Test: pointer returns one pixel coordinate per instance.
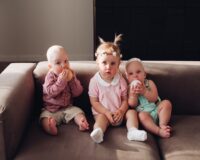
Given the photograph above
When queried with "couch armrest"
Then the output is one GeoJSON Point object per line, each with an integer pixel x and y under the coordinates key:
{"type": "Point", "coordinates": [16, 103]}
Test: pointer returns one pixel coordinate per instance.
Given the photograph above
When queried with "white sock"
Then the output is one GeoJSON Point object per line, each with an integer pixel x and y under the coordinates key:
{"type": "Point", "coordinates": [136, 134]}
{"type": "Point", "coordinates": [97, 135]}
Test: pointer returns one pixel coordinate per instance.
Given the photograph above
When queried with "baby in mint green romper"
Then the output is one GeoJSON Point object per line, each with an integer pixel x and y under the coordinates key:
{"type": "Point", "coordinates": [153, 114]}
{"type": "Point", "coordinates": [146, 106]}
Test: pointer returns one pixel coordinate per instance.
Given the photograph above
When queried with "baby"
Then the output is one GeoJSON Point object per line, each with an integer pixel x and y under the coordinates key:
{"type": "Point", "coordinates": [143, 96]}
{"type": "Point", "coordinates": [108, 95]}
{"type": "Point", "coordinates": [59, 88]}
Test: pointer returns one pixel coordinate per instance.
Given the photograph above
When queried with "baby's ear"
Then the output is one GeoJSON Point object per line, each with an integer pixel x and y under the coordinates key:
{"type": "Point", "coordinates": [126, 74]}
{"type": "Point", "coordinates": [49, 66]}
{"type": "Point", "coordinates": [145, 75]}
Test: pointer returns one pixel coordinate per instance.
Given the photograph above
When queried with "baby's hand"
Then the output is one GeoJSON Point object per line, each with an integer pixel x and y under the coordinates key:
{"type": "Point", "coordinates": [117, 117]}
{"type": "Point", "coordinates": [67, 74]}
{"type": "Point", "coordinates": [109, 115]}
{"type": "Point", "coordinates": [63, 75]}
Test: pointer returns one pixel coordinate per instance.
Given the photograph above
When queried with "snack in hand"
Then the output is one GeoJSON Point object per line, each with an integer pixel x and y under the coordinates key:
{"type": "Point", "coordinates": [69, 74]}
{"type": "Point", "coordinates": [134, 83]}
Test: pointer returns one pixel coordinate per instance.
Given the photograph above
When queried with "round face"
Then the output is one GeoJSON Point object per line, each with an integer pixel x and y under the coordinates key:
{"type": "Point", "coordinates": [58, 61]}
{"type": "Point", "coordinates": [135, 71]}
{"type": "Point", "coordinates": [108, 66]}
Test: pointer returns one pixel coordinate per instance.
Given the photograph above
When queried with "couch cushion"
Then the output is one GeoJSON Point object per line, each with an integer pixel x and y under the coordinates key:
{"type": "Point", "coordinates": [177, 81]}
{"type": "Point", "coordinates": [184, 144]}
{"type": "Point", "coordinates": [75, 145]}
{"type": "Point", "coordinates": [173, 78]}
{"type": "Point", "coordinates": [16, 103]}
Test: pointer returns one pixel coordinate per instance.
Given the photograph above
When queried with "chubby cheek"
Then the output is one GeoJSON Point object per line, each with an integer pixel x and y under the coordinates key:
{"type": "Point", "coordinates": [66, 66]}
{"type": "Point", "coordinates": [113, 71]}
{"type": "Point", "coordinates": [58, 70]}
{"type": "Point", "coordinates": [102, 68]}
{"type": "Point", "coordinates": [142, 78]}
{"type": "Point", "coordinates": [130, 79]}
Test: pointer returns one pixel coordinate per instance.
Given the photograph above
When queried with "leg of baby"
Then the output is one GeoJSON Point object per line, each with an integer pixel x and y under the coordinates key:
{"type": "Point", "coordinates": [132, 125]}
{"type": "Point", "coordinates": [100, 126]}
{"type": "Point", "coordinates": [149, 124]}
{"type": "Point", "coordinates": [164, 114]}
{"type": "Point", "coordinates": [81, 121]}
{"type": "Point", "coordinates": [49, 125]}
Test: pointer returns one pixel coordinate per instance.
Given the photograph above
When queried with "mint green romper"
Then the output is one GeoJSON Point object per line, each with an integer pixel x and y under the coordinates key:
{"type": "Point", "coordinates": [146, 106]}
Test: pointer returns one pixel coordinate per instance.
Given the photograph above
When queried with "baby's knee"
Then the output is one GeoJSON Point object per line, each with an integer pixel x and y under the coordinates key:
{"type": "Point", "coordinates": [143, 116]}
{"type": "Point", "coordinates": [167, 104]}
{"type": "Point", "coordinates": [131, 112]}
{"type": "Point", "coordinates": [101, 120]}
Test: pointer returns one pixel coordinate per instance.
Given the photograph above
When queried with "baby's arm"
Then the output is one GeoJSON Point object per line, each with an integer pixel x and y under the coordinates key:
{"type": "Point", "coordinates": [75, 86]}
{"type": "Point", "coordinates": [124, 107]}
{"type": "Point", "coordinates": [100, 108]}
{"type": "Point", "coordinates": [132, 98]}
{"type": "Point", "coordinates": [52, 87]}
{"type": "Point", "coordinates": [119, 114]}
{"type": "Point", "coordinates": [152, 93]}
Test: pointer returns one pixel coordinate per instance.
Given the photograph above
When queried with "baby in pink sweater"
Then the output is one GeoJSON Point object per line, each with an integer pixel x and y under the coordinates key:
{"type": "Point", "coordinates": [59, 88]}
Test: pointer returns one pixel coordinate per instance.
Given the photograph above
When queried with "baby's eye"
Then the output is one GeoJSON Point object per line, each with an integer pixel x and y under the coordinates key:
{"type": "Point", "coordinates": [66, 61]}
{"type": "Point", "coordinates": [131, 73]}
{"type": "Point", "coordinates": [113, 63]}
{"type": "Point", "coordinates": [138, 71]}
{"type": "Point", "coordinates": [58, 63]}
{"type": "Point", "coordinates": [104, 62]}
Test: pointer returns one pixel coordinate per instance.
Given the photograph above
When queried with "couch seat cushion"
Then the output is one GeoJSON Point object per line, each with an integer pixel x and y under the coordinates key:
{"type": "Point", "coordinates": [75, 145]}
{"type": "Point", "coordinates": [185, 142]}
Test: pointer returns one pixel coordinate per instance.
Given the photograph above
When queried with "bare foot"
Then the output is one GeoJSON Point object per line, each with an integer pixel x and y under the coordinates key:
{"type": "Point", "coordinates": [49, 125]}
{"type": "Point", "coordinates": [83, 124]}
{"type": "Point", "coordinates": [166, 127]}
{"type": "Point", "coordinates": [164, 131]}
{"type": "Point", "coordinates": [52, 126]}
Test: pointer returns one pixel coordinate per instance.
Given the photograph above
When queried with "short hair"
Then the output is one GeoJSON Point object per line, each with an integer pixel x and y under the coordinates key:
{"type": "Point", "coordinates": [132, 60]}
{"type": "Point", "coordinates": [52, 50]}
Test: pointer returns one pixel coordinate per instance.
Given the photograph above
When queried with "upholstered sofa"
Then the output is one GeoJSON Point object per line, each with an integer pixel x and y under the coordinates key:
{"type": "Point", "coordinates": [21, 137]}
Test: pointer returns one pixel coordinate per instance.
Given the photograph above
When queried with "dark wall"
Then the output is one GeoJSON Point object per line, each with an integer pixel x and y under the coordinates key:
{"type": "Point", "coordinates": [152, 29]}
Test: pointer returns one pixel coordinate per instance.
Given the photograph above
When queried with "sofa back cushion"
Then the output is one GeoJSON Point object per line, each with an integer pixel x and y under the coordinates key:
{"type": "Point", "coordinates": [177, 81]}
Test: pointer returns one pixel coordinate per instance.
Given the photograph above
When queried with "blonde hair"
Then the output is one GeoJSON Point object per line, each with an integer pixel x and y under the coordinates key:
{"type": "Point", "coordinates": [132, 60]}
{"type": "Point", "coordinates": [109, 48]}
{"type": "Point", "coordinates": [53, 50]}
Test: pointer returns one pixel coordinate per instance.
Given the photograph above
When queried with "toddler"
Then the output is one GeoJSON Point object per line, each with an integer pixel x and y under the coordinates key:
{"type": "Point", "coordinates": [108, 94]}
{"type": "Point", "coordinates": [59, 88]}
{"type": "Point", "coordinates": [143, 96]}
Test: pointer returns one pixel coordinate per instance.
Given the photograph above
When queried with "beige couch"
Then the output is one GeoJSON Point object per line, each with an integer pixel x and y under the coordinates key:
{"type": "Point", "coordinates": [21, 137]}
